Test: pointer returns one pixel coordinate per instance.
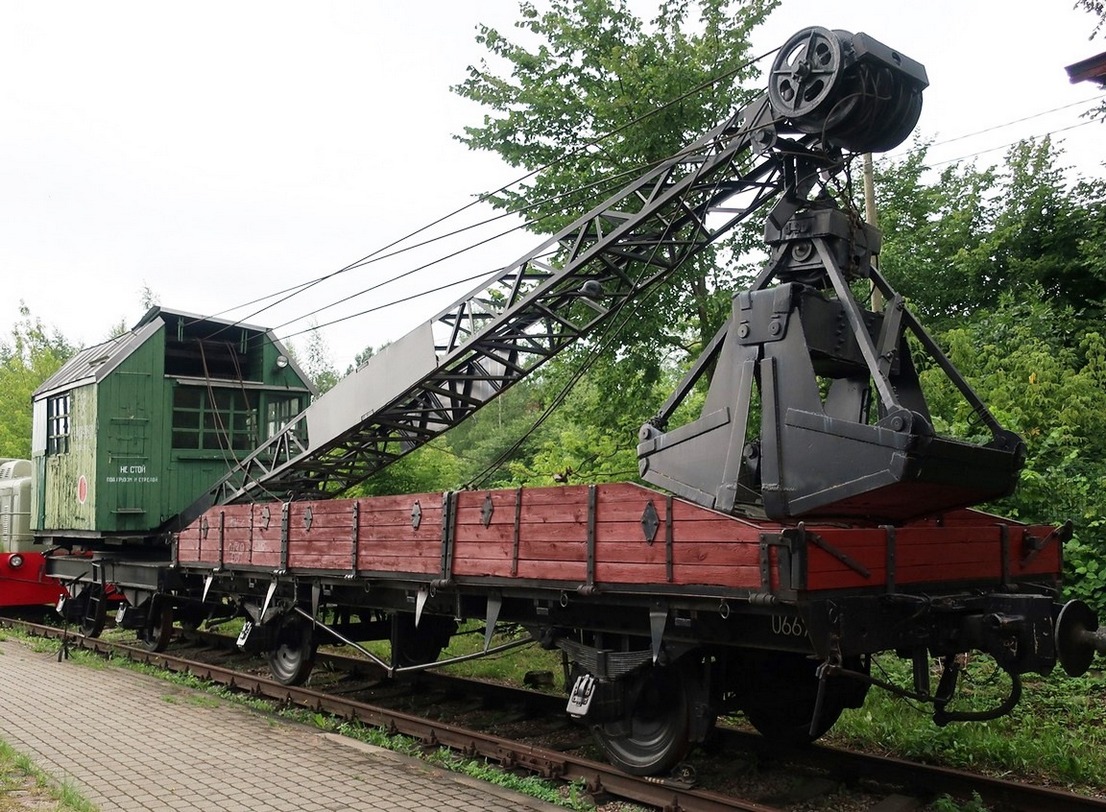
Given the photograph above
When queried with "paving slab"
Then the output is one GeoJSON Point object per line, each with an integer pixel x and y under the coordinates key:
{"type": "Point", "coordinates": [132, 743]}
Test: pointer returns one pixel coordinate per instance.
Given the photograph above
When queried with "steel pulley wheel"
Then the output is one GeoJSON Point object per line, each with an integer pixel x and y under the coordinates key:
{"type": "Point", "coordinates": [655, 734]}
{"type": "Point", "coordinates": [806, 73]}
{"type": "Point", "coordinates": [293, 654]}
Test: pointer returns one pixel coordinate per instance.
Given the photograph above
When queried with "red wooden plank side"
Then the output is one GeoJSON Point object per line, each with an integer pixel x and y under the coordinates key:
{"type": "Point", "coordinates": [1047, 560]}
{"type": "Point", "coordinates": [188, 544]}
{"type": "Point", "coordinates": [388, 541]}
{"type": "Point", "coordinates": [237, 535]}
{"type": "Point", "coordinates": [553, 534]}
{"type": "Point", "coordinates": [968, 547]}
{"type": "Point", "coordinates": [265, 544]}
{"type": "Point", "coordinates": [320, 535]}
{"type": "Point", "coordinates": [708, 548]}
{"type": "Point", "coordinates": [480, 550]}
{"type": "Point", "coordinates": [865, 548]}
{"type": "Point", "coordinates": [209, 538]}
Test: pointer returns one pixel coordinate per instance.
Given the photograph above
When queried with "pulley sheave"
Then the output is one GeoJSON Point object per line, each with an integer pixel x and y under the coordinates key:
{"type": "Point", "coordinates": [851, 90]}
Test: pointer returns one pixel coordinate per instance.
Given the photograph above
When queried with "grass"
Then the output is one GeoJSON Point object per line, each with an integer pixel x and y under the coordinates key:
{"type": "Point", "coordinates": [510, 667]}
{"type": "Point", "coordinates": [25, 787]}
{"type": "Point", "coordinates": [1056, 735]}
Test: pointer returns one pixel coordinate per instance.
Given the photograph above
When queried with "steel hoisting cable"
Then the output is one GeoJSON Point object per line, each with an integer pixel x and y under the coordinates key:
{"type": "Point", "coordinates": [381, 254]}
{"type": "Point", "coordinates": [610, 331]}
{"type": "Point", "coordinates": [220, 431]}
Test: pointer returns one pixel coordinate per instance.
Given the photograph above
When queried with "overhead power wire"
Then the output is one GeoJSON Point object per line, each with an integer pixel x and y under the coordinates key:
{"type": "Point", "coordinates": [597, 193]}
{"type": "Point", "coordinates": [609, 180]}
{"type": "Point", "coordinates": [994, 127]}
{"type": "Point", "coordinates": [925, 147]}
{"type": "Point", "coordinates": [1010, 144]}
{"type": "Point", "coordinates": [612, 328]}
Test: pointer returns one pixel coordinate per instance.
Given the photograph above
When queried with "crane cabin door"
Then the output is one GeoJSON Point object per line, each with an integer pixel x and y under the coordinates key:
{"type": "Point", "coordinates": [131, 479]}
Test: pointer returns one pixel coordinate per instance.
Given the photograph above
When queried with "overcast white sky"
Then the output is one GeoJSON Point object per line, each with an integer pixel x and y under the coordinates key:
{"type": "Point", "coordinates": [219, 151]}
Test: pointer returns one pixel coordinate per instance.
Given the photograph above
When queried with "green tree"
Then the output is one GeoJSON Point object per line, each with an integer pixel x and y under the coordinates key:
{"type": "Point", "coordinates": [1006, 267]}
{"type": "Point", "coordinates": [1097, 8]}
{"type": "Point", "coordinates": [31, 355]}
{"type": "Point", "coordinates": [1045, 379]}
{"type": "Point", "coordinates": [934, 233]}
{"type": "Point", "coordinates": [315, 360]}
{"type": "Point", "coordinates": [592, 95]}
{"type": "Point", "coordinates": [958, 241]}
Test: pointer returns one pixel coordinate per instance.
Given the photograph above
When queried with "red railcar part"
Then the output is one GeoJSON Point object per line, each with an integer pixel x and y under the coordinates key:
{"type": "Point", "coordinates": [24, 582]}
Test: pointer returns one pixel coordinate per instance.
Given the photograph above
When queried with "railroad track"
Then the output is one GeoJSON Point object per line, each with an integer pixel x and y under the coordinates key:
{"type": "Point", "coordinates": [670, 794]}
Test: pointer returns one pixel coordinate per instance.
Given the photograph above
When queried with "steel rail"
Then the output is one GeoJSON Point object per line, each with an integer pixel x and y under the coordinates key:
{"type": "Point", "coordinates": [596, 776]}
{"type": "Point", "coordinates": [927, 778]}
{"type": "Point", "coordinates": [599, 777]}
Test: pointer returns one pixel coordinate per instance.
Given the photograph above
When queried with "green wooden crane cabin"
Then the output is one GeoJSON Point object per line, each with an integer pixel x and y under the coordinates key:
{"type": "Point", "coordinates": [131, 431]}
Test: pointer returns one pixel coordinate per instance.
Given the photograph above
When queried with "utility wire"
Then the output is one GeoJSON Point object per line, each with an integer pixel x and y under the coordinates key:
{"type": "Point", "coordinates": [386, 254]}
{"type": "Point", "coordinates": [994, 127]}
{"type": "Point", "coordinates": [376, 255]}
{"type": "Point", "coordinates": [1009, 144]}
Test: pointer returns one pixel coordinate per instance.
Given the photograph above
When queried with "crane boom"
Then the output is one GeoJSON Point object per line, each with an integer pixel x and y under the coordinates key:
{"type": "Point", "coordinates": [577, 280]}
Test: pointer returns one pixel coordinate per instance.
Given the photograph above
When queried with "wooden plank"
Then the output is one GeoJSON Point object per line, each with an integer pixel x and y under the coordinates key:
{"type": "Point", "coordinates": [538, 549]}
{"type": "Point", "coordinates": [311, 560]}
{"type": "Point", "coordinates": [472, 565]}
{"type": "Point", "coordinates": [265, 548]}
{"type": "Point", "coordinates": [575, 571]}
{"type": "Point", "coordinates": [419, 565]}
{"type": "Point", "coordinates": [736, 577]}
{"type": "Point", "coordinates": [188, 545]}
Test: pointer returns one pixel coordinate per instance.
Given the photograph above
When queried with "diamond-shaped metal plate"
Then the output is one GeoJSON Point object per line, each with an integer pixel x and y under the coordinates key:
{"type": "Point", "coordinates": [650, 522]}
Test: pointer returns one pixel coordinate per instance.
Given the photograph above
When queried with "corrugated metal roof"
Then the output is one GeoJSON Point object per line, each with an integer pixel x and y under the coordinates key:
{"type": "Point", "coordinates": [93, 364]}
{"type": "Point", "coordinates": [1089, 70]}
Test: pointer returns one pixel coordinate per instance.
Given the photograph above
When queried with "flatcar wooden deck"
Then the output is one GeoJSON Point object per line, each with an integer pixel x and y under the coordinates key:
{"type": "Point", "coordinates": [587, 537]}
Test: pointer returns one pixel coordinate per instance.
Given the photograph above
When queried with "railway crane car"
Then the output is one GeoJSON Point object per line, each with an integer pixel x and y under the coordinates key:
{"type": "Point", "coordinates": [129, 432]}
{"type": "Point", "coordinates": [810, 517]}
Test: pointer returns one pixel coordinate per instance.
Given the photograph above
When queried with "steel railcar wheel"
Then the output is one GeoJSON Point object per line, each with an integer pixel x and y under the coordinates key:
{"type": "Point", "coordinates": [293, 654]}
{"type": "Point", "coordinates": [781, 706]}
{"type": "Point", "coordinates": [654, 736]}
{"type": "Point", "coordinates": [156, 633]}
{"type": "Point", "coordinates": [93, 609]}
{"type": "Point", "coordinates": [418, 645]}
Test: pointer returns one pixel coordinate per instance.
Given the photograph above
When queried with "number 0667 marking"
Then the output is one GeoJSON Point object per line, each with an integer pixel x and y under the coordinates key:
{"type": "Point", "coordinates": [788, 626]}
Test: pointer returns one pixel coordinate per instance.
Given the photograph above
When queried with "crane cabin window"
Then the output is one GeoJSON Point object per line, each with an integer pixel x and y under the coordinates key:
{"type": "Point", "coordinates": [214, 419]}
{"type": "Point", "coordinates": [280, 412]}
{"type": "Point", "coordinates": [57, 424]}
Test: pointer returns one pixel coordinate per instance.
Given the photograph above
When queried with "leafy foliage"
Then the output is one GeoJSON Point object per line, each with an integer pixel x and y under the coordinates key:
{"type": "Point", "coordinates": [1096, 7]}
{"type": "Point", "coordinates": [314, 358]}
{"type": "Point", "coordinates": [1007, 267]}
{"type": "Point", "coordinates": [31, 355]}
{"type": "Point", "coordinates": [590, 96]}
{"type": "Point", "coordinates": [959, 244]}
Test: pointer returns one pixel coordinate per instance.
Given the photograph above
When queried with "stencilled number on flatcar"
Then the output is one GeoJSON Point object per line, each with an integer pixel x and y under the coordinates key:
{"type": "Point", "coordinates": [788, 626]}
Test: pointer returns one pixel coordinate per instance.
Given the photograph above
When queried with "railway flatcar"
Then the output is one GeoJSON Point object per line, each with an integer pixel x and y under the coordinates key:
{"type": "Point", "coordinates": [810, 517]}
